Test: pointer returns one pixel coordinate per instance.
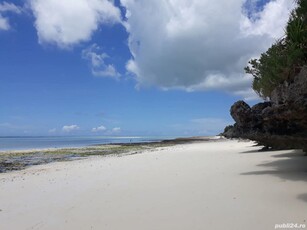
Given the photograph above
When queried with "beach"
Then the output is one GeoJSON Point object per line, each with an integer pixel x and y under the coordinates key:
{"type": "Point", "coordinates": [225, 184]}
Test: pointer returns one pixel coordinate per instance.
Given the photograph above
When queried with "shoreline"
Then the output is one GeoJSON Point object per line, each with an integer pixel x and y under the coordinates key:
{"type": "Point", "coordinates": [212, 185]}
{"type": "Point", "coordinates": [21, 143]}
{"type": "Point", "coordinates": [135, 142]}
{"type": "Point", "coordinates": [20, 159]}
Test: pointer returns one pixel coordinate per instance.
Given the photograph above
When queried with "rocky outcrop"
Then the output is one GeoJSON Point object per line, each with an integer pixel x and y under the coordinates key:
{"type": "Point", "coordinates": [280, 123]}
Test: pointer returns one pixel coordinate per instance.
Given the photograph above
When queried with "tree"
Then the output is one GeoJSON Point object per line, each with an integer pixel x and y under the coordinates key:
{"type": "Point", "coordinates": [283, 60]}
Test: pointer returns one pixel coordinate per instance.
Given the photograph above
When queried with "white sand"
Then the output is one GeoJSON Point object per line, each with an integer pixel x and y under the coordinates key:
{"type": "Point", "coordinates": [195, 186]}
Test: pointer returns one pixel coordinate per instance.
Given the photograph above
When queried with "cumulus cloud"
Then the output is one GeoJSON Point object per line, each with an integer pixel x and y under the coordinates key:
{"type": "Point", "coordinates": [70, 128]}
{"type": "Point", "coordinates": [69, 22]}
{"type": "Point", "coordinates": [5, 8]}
{"type": "Point", "coordinates": [99, 129]}
{"type": "Point", "coordinates": [97, 62]}
{"type": "Point", "coordinates": [199, 44]}
{"type": "Point", "coordinates": [270, 21]}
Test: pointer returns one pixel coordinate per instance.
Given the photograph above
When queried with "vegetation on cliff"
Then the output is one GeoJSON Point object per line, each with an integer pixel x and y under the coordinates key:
{"type": "Point", "coordinates": [284, 59]}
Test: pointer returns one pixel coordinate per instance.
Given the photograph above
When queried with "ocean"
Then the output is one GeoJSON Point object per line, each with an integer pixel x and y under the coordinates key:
{"type": "Point", "coordinates": [42, 142]}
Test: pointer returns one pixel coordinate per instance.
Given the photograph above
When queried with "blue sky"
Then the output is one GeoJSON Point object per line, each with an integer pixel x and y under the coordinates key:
{"type": "Point", "coordinates": [97, 67]}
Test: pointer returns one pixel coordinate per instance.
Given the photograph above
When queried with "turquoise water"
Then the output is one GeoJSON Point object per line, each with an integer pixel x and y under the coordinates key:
{"type": "Point", "coordinates": [24, 143]}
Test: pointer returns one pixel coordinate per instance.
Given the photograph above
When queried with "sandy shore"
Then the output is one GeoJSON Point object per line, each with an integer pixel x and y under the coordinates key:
{"type": "Point", "coordinates": [210, 185]}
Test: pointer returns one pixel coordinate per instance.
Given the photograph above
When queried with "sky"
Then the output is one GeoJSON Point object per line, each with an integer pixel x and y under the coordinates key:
{"type": "Point", "coordinates": [130, 67]}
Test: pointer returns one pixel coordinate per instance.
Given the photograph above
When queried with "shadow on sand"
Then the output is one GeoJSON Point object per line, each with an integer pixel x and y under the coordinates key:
{"type": "Point", "coordinates": [302, 197]}
{"type": "Point", "coordinates": [259, 148]}
{"type": "Point", "coordinates": [287, 166]}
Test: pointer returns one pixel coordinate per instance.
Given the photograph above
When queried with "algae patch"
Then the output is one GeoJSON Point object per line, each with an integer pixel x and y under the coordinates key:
{"type": "Point", "coordinates": [17, 160]}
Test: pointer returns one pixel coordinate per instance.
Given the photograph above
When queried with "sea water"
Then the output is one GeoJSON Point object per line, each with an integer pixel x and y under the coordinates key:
{"type": "Point", "coordinates": [42, 142]}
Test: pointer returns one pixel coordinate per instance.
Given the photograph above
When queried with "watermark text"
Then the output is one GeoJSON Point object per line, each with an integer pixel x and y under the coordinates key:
{"type": "Point", "coordinates": [290, 226]}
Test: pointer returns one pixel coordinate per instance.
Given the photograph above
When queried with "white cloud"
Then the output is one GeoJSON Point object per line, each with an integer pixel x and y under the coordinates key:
{"type": "Point", "coordinates": [247, 94]}
{"type": "Point", "coordinates": [4, 8]}
{"type": "Point", "coordinates": [70, 128]}
{"type": "Point", "coordinates": [199, 44]}
{"type": "Point", "coordinates": [97, 62]}
{"type": "Point", "coordinates": [9, 7]}
{"type": "Point", "coordinates": [4, 25]}
{"type": "Point", "coordinates": [116, 130]}
{"type": "Point", "coordinates": [69, 22]}
{"type": "Point", "coordinates": [99, 129]}
{"type": "Point", "coordinates": [270, 21]}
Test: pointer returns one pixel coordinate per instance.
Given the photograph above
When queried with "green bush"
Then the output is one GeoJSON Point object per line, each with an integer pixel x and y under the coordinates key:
{"type": "Point", "coordinates": [282, 61]}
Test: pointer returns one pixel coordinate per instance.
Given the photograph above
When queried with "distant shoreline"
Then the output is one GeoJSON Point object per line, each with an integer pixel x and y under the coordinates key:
{"type": "Point", "coordinates": [135, 140]}
{"type": "Point", "coordinates": [12, 160]}
{"type": "Point", "coordinates": [21, 143]}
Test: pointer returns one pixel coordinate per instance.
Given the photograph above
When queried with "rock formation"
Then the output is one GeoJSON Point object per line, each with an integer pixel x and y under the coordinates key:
{"type": "Point", "coordinates": [280, 123]}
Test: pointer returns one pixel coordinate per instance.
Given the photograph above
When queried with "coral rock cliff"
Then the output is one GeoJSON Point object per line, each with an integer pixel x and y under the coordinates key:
{"type": "Point", "coordinates": [280, 123]}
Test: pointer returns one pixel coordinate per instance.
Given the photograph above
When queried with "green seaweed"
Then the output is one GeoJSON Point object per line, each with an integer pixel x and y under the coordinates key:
{"type": "Point", "coordinates": [17, 160]}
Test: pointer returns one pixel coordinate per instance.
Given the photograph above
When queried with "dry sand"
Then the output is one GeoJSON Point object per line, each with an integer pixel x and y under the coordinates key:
{"type": "Point", "coordinates": [211, 185]}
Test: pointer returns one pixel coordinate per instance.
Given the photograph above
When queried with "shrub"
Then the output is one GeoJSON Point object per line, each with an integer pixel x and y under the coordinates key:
{"type": "Point", "coordinates": [282, 61]}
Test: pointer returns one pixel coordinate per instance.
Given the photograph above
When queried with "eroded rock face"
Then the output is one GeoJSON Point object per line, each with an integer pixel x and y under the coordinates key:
{"type": "Point", "coordinates": [281, 123]}
{"type": "Point", "coordinates": [241, 113]}
{"type": "Point", "coordinates": [292, 93]}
